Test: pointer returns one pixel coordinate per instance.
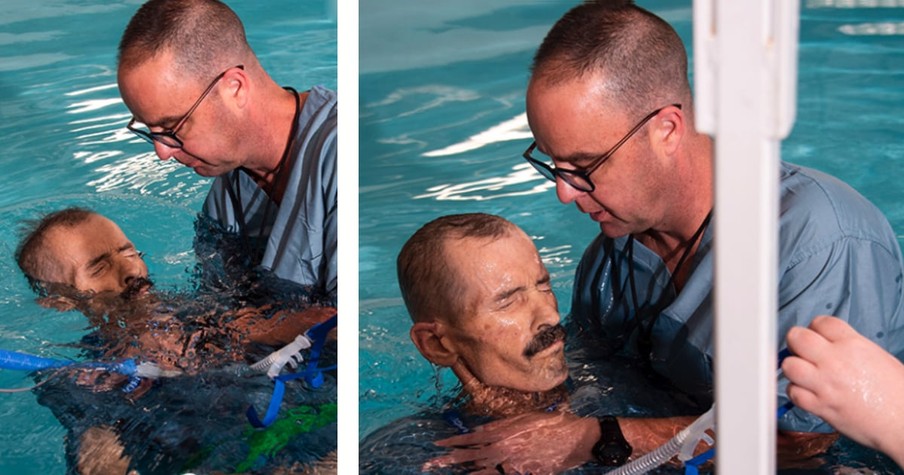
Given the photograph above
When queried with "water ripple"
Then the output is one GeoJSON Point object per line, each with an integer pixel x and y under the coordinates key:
{"type": "Point", "coordinates": [873, 29]}
{"type": "Point", "coordinates": [444, 95]}
{"type": "Point", "coordinates": [522, 174]}
{"type": "Point", "coordinates": [132, 173]}
{"type": "Point", "coordinates": [89, 90]}
{"type": "Point", "coordinates": [512, 129]}
{"type": "Point", "coordinates": [91, 105]}
{"type": "Point", "coordinates": [29, 61]}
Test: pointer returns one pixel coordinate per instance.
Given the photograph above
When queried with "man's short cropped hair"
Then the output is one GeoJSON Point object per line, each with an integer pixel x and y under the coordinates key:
{"type": "Point", "coordinates": [429, 285]}
{"type": "Point", "coordinates": [205, 36]}
{"type": "Point", "coordinates": [642, 57]}
{"type": "Point", "coordinates": [31, 253]}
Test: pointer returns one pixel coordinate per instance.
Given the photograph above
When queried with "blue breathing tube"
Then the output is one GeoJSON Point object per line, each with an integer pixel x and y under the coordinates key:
{"type": "Point", "coordinates": [25, 362]}
{"type": "Point", "coordinates": [15, 360]}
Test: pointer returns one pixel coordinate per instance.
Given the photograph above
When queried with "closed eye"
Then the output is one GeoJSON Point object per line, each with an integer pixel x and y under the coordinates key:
{"type": "Point", "coordinates": [129, 251]}
{"type": "Point", "coordinates": [544, 284]}
{"type": "Point", "coordinates": [507, 298]}
{"type": "Point", "coordinates": [99, 268]}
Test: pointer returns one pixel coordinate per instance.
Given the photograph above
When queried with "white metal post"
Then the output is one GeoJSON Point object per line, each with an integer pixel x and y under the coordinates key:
{"type": "Point", "coordinates": [745, 70]}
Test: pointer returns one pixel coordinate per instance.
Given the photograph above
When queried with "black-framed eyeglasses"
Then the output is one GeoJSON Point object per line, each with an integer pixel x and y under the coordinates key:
{"type": "Point", "coordinates": [168, 137]}
{"type": "Point", "coordinates": [580, 179]}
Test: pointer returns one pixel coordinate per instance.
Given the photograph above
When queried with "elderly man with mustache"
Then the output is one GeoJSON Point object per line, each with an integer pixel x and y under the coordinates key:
{"type": "Point", "coordinates": [76, 258]}
{"type": "Point", "coordinates": [481, 304]}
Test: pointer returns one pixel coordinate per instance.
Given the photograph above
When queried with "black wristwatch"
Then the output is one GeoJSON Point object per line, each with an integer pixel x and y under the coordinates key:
{"type": "Point", "coordinates": [612, 449]}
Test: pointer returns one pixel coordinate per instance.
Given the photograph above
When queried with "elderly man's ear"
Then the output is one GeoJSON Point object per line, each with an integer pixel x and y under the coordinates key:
{"type": "Point", "coordinates": [57, 296]}
{"type": "Point", "coordinates": [428, 338]}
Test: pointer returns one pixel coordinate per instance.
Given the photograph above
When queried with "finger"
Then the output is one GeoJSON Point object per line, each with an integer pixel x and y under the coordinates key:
{"type": "Point", "coordinates": [483, 457]}
{"type": "Point", "coordinates": [804, 399]}
{"type": "Point", "coordinates": [801, 372]}
{"type": "Point", "coordinates": [832, 328]}
{"type": "Point", "coordinates": [807, 344]}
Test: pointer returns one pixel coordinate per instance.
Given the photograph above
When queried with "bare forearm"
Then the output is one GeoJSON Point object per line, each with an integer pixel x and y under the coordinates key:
{"type": "Point", "coordinates": [643, 434]}
{"type": "Point", "coordinates": [283, 327]}
{"type": "Point", "coordinates": [590, 433]}
{"type": "Point", "coordinates": [648, 434]}
{"type": "Point", "coordinates": [794, 449]}
{"type": "Point", "coordinates": [799, 449]}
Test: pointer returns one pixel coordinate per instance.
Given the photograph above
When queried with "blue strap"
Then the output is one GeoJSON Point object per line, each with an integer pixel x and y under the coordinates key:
{"type": "Point", "coordinates": [275, 401]}
{"type": "Point", "coordinates": [692, 466]}
{"type": "Point", "coordinates": [312, 374]}
{"type": "Point", "coordinates": [279, 390]}
{"type": "Point", "coordinates": [784, 409]}
{"type": "Point", "coordinates": [318, 334]}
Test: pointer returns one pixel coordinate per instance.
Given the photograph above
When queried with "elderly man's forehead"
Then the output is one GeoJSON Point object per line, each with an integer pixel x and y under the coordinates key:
{"type": "Point", "coordinates": [465, 257]}
{"type": "Point", "coordinates": [459, 247]}
{"type": "Point", "coordinates": [62, 237]}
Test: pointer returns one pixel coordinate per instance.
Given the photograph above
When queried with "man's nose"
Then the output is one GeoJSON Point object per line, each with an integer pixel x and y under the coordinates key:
{"type": "Point", "coordinates": [129, 270]}
{"type": "Point", "coordinates": [565, 192]}
{"type": "Point", "coordinates": [163, 151]}
{"type": "Point", "coordinates": [546, 312]}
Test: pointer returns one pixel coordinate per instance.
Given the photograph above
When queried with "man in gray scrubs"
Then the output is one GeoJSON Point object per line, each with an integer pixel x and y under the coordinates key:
{"type": "Point", "coordinates": [610, 107]}
{"type": "Point", "coordinates": [199, 94]}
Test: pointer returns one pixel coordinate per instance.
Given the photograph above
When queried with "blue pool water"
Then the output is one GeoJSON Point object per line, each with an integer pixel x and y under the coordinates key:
{"type": "Point", "coordinates": [442, 131]}
{"type": "Point", "coordinates": [64, 143]}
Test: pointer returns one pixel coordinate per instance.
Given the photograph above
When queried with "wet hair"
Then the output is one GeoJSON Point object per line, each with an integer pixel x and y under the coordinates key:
{"type": "Point", "coordinates": [31, 252]}
{"type": "Point", "coordinates": [429, 286]}
{"type": "Point", "coordinates": [642, 57]}
{"type": "Point", "coordinates": [205, 36]}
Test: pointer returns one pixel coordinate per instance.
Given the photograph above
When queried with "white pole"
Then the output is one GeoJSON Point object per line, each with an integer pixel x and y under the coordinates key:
{"type": "Point", "coordinates": [745, 74]}
{"type": "Point", "coordinates": [347, 431]}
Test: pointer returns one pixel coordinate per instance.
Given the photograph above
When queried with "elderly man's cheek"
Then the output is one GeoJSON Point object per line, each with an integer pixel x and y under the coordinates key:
{"type": "Point", "coordinates": [502, 331]}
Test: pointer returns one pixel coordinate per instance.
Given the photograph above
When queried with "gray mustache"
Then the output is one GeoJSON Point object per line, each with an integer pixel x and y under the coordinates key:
{"type": "Point", "coordinates": [544, 339]}
{"type": "Point", "coordinates": [135, 286]}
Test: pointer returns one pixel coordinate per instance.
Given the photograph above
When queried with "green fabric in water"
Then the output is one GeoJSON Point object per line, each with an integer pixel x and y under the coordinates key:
{"type": "Point", "coordinates": [299, 420]}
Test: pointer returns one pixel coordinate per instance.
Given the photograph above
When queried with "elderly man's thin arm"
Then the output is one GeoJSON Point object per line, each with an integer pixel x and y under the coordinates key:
{"type": "Point", "coordinates": [793, 449]}
{"type": "Point", "coordinates": [281, 328]}
{"type": "Point", "coordinates": [522, 443]}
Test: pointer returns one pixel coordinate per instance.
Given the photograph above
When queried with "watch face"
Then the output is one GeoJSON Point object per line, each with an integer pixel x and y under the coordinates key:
{"type": "Point", "coordinates": [613, 454]}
